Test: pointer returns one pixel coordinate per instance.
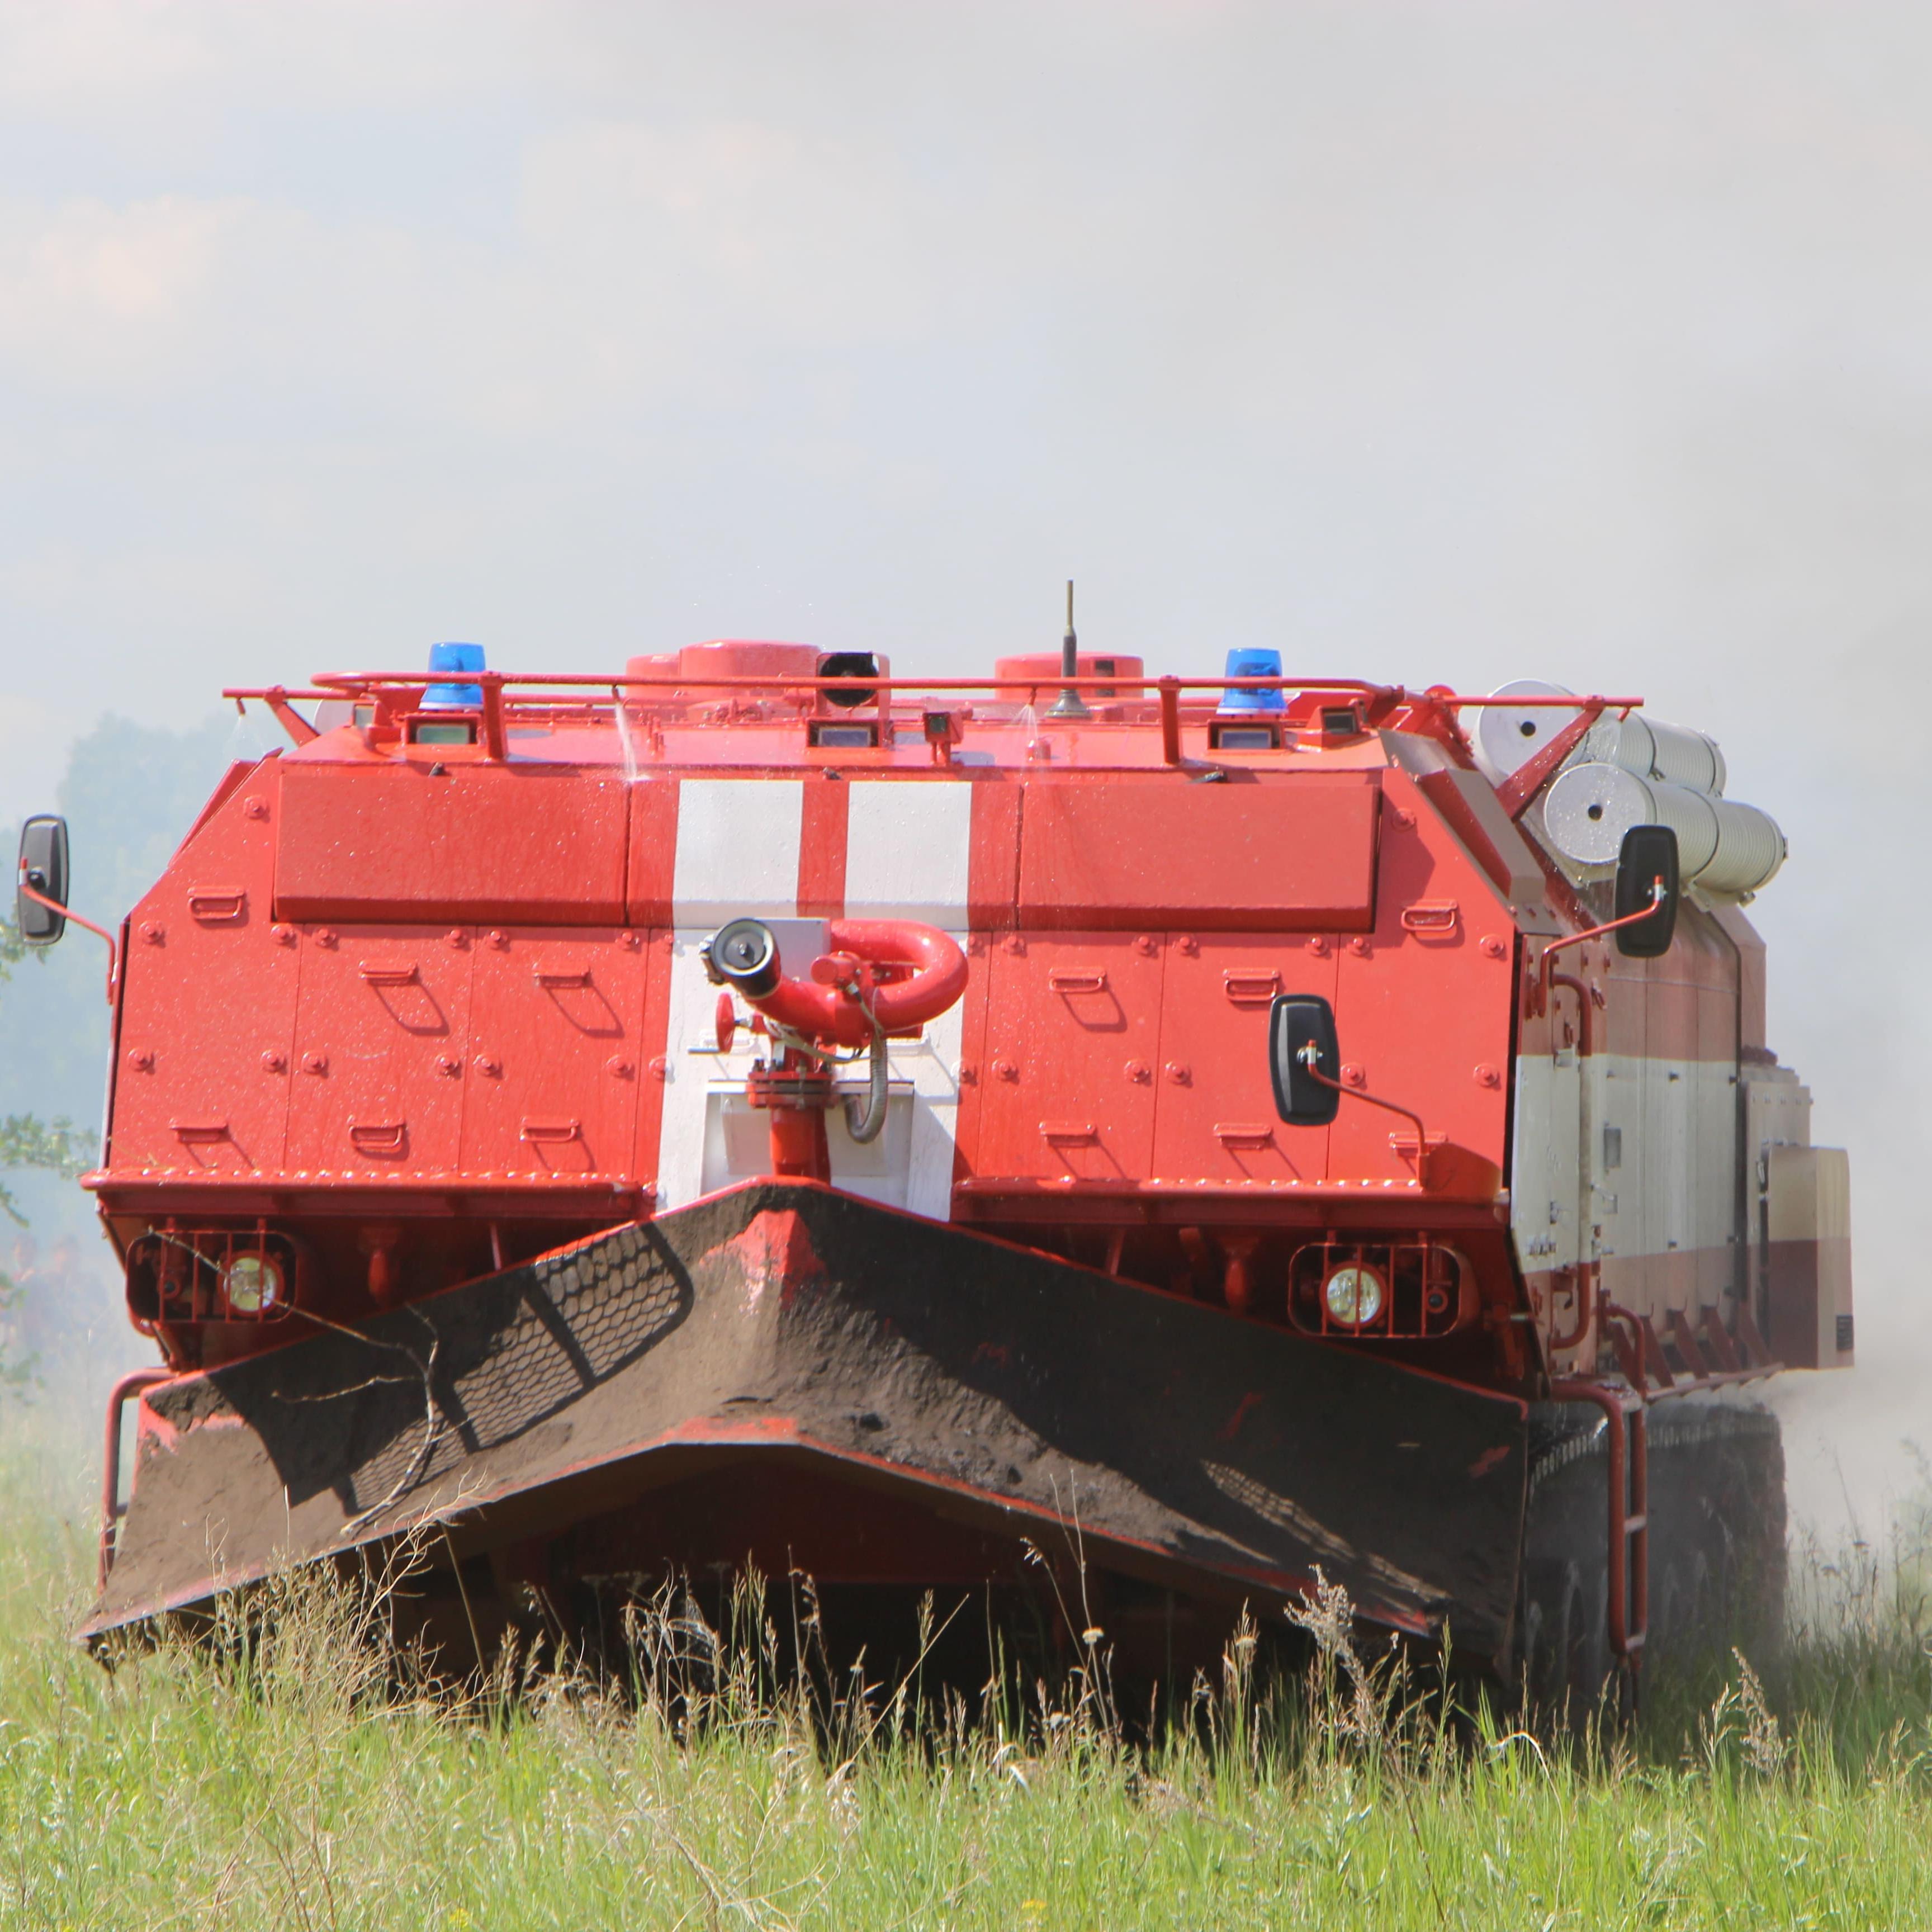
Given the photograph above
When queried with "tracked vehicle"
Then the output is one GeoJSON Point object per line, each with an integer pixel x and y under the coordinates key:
{"type": "Point", "coordinates": [1163, 1136]}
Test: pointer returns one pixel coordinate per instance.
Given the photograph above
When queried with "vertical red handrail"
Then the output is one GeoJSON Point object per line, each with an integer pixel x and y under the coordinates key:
{"type": "Point", "coordinates": [132, 1384]}
{"type": "Point", "coordinates": [495, 739]}
{"type": "Point", "coordinates": [1170, 719]}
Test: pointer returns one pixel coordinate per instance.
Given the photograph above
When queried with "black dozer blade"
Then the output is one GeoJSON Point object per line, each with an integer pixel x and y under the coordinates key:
{"type": "Point", "coordinates": [781, 1327]}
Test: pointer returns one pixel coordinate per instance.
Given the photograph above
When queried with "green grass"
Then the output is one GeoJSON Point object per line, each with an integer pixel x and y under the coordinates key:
{"type": "Point", "coordinates": [289, 1782]}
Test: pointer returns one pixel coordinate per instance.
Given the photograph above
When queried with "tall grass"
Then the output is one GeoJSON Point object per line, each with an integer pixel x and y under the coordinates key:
{"type": "Point", "coordinates": [302, 1771]}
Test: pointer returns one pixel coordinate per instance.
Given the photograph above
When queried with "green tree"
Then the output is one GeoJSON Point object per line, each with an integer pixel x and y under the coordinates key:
{"type": "Point", "coordinates": [131, 791]}
{"type": "Point", "coordinates": [25, 1141]}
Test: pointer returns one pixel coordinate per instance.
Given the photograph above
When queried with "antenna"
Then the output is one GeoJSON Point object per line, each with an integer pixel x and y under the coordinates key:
{"type": "Point", "coordinates": [1068, 704]}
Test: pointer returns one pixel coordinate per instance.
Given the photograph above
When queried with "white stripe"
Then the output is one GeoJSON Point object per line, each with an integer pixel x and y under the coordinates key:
{"type": "Point", "coordinates": [908, 851]}
{"type": "Point", "coordinates": [694, 1002]}
{"type": "Point", "coordinates": [1671, 1191]}
{"type": "Point", "coordinates": [737, 849]}
{"type": "Point", "coordinates": [908, 855]}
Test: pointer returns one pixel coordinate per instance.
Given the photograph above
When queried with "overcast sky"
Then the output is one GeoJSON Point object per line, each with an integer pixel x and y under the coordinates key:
{"type": "Point", "coordinates": [1443, 344]}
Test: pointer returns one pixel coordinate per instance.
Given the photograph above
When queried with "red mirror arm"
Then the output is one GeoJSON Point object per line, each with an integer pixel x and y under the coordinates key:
{"type": "Point", "coordinates": [99, 931]}
{"type": "Point", "coordinates": [1308, 1059]}
{"type": "Point", "coordinates": [1556, 945]}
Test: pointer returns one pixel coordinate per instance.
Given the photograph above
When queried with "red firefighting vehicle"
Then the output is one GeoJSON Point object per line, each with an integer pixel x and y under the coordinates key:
{"type": "Point", "coordinates": [750, 1107]}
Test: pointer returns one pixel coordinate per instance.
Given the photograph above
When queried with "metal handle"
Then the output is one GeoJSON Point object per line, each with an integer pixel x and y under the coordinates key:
{"type": "Point", "coordinates": [1061, 982]}
{"type": "Point", "coordinates": [1437, 915]}
{"type": "Point", "coordinates": [552, 1131]}
{"type": "Point", "coordinates": [382, 1137]}
{"type": "Point", "coordinates": [1068, 1136]}
{"type": "Point", "coordinates": [192, 1133]}
{"type": "Point", "coordinates": [1230, 1135]}
{"type": "Point", "coordinates": [553, 979]}
{"type": "Point", "coordinates": [1250, 989]}
{"type": "Point", "coordinates": [387, 975]}
{"type": "Point", "coordinates": [217, 908]}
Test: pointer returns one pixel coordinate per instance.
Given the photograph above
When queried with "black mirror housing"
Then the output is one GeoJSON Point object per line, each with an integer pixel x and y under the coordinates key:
{"type": "Point", "coordinates": [1648, 854]}
{"type": "Point", "coordinates": [43, 867]}
{"type": "Point", "coordinates": [1297, 1022]}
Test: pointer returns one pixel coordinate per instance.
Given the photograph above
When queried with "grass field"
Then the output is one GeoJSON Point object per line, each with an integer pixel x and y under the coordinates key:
{"type": "Point", "coordinates": [293, 1783]}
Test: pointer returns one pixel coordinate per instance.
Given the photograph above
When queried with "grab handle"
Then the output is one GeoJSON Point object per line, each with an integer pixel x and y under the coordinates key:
{"type": "Point", "coordinates": [217, 908]}
{"type": "Point", "coordinates": [1063, 982]}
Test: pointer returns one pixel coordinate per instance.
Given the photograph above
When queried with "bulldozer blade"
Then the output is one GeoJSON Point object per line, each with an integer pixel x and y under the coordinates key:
{"type": "Point", "coordinates": [997, 1389]}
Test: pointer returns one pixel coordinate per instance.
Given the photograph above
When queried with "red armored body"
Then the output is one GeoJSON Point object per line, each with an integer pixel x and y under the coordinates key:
{"type": "Point", "coordinates": [750, 1108]}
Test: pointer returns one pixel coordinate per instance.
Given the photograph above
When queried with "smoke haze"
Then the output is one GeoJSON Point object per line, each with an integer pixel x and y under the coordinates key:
{"type": "Point", "coordinates": [1590, 342]}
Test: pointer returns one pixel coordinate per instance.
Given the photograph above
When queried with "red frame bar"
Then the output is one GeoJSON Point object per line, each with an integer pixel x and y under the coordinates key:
{"type": "Point", "coordinates": [1625, 1412]}
{"type": "Point", "coordinates": [337, 685]}
{"type": "Point", "coordinates": [135, 1382]}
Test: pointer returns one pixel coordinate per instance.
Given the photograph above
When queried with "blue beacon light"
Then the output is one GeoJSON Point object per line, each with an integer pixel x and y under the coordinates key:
{"type": "Point", "coordinates": [454, 697]}
{"type": "Point", "coordinates": [1253, 664]}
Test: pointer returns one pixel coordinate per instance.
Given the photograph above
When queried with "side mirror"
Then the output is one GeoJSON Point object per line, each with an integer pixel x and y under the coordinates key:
{"type": "Point", "coordinates": [1301, 1027]}
{"type": "Point", "coordinates": [43, 867]}
{"type": "Point", "coordinates": [1648, 857]}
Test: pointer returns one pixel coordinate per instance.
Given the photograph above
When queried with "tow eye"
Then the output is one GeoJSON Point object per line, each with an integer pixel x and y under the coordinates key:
{"type": "Point", "coordinates": [874, 978]}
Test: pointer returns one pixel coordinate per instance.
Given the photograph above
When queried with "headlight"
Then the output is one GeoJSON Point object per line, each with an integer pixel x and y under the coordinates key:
{"type": "Point", "coordinates": [252, 1285]}
{"type": "Point", "coordinates": [1354, 1295]}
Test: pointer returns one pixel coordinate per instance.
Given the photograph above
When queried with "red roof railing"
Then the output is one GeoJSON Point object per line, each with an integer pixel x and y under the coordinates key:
{"type": "Point", "coordinates": [1433, 710]}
